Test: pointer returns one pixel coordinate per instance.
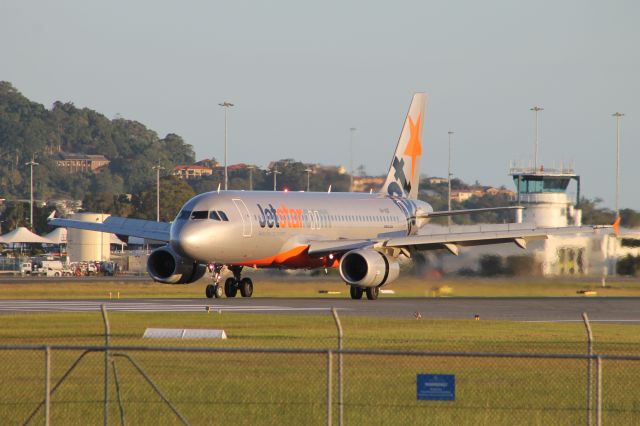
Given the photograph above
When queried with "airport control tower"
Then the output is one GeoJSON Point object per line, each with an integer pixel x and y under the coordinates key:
{"type": "Point", "coordinates": [543, 193]}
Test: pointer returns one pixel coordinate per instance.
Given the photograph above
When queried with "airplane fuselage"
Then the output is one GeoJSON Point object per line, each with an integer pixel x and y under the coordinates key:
{"type": "Point", "coordinates": [266, 229]}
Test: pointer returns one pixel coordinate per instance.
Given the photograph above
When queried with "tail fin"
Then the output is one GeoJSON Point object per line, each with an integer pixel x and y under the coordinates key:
{"type": "Point", "coordinates": [404, 173]}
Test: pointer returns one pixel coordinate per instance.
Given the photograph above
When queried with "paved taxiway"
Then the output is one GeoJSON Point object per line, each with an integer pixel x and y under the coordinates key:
{"type": "Point", "coordinates": [515, 309]}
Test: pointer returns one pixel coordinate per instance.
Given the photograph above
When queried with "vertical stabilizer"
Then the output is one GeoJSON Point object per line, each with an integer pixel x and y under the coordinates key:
{"type": "Point", "coordinates": [404, 173]}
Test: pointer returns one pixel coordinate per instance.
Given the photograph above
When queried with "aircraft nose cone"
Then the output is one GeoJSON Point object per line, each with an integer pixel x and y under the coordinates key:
{"type": "Point", "coordinates": [184, 242]}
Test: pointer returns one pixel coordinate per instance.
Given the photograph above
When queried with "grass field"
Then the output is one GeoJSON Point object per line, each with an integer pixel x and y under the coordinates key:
{"type": "Point", "coordinates": [286, 286]}
{"type": "Point", "coordinates": [222, 388]}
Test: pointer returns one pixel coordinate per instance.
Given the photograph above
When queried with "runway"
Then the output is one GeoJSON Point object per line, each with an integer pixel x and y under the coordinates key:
{"type": "Point", "coordinates": [622, 310]}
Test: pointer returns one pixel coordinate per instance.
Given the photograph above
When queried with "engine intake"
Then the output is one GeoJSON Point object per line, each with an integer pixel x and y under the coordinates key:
{"type": "Point", "coordinates": [368, 268]}
{"type": "Point", "coordinates": [165, 266]}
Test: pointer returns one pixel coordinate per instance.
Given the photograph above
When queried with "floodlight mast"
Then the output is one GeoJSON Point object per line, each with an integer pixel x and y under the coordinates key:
{"type": "Point", "coordinates": [536, 110]}
{"type": "Point", "coordinates": [157, 168]}
{"type": "Point", "coordinates": [352, 131]}
{"type": "Point", "coordinates": [449, 175]}
{"type": "Point", "coordinates": [226, 105]}
{"type": "Point", "coordinates": [309, 170]}
{"type": "Point", "coordinates": [250, 177]}
{"type": "Point", "coordinates": [618, 116]}
{"type": "Point", "coordinates": [31, 164]}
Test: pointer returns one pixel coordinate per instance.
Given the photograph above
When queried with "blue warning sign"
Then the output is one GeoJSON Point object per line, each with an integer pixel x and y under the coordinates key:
{"type": "Point", "coordinates": [436, 387]}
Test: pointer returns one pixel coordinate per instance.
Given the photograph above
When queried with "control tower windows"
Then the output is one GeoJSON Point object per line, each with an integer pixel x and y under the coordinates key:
{"type": "Point", "coordinates": [538, 184]}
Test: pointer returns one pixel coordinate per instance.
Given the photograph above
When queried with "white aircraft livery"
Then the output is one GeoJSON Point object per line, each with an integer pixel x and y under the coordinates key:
{"type": "Point", "coordinates": [361, 234]}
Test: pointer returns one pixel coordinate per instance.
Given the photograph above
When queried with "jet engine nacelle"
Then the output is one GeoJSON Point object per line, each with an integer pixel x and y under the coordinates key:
{"type": "Point", "coordinates": [165, 266]}
{"type": "Point", "coordinates": [368, 268]}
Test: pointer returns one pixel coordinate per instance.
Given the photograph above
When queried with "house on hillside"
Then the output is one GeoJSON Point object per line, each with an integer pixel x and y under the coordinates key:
{"type": "Point", "coordinates": [192, 171]}
{"type": "Point", "coordinates": [367, 183]}
{"type": "Point", "coordinates": [74, 163]}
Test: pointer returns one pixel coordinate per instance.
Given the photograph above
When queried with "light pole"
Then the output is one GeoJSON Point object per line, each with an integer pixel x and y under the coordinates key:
{"type": "Point", "coordinates": [536, 109]}
{"type": "Point", "coordinates": [157, 168]}
{"type": "Point", "coordinates": [352, 131]}
{"type": "Point", "coordinates": [308, 170]}
{"type": "Point", "coordinates": [618, 116]}
{"type": "Point", "coordinates": [250, 177]}
{"type": "Point", "coordinates": [226, 105]}
{"type": "Point", "coordinates": [31, 164]}
{"type": "Point", "coordinates": [449, 179]}
{"type": "Point", "coordinates": [275, 173]}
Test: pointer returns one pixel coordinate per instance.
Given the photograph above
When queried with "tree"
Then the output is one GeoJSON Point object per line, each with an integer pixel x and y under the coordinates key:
{"type": "Point", "coordinates": [173, 194]}
{"type": "Point", "coordinates": [594, 215]}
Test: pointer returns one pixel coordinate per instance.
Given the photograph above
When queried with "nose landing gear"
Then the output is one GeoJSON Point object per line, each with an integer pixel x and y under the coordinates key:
{"type": "Point", "coordinates": [231, 284]}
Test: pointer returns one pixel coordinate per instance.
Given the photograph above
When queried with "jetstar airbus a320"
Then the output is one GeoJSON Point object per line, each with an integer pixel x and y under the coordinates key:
{"type": "Point", "coordinates": [362, 234]}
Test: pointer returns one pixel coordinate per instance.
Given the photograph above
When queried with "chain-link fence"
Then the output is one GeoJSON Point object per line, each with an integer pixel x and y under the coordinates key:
{"type": "Point", "coordinates": [314, 370]}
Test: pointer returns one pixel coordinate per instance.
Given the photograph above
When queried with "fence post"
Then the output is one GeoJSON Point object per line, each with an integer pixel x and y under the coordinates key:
{"type": "Point", "coordinates": [587, 325]}
{"type": "Point", "coordinates": [329, 368]}
{"type": "Point", "coordinates": [598, 391]}
{"type": "Point", "coordinates": [340, 394]}
{"type": "Point", "coordinates": [107, 332]}
{"type": "Point", "coordinates": [47, 385]}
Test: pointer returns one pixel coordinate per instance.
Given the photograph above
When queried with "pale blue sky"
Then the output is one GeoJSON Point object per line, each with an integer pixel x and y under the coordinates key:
{"type": "Point", "coordinates": [302, 73]}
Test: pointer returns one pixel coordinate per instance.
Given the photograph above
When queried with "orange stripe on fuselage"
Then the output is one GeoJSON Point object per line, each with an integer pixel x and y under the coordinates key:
{"type": "Point", "coordinates": [297, 257]}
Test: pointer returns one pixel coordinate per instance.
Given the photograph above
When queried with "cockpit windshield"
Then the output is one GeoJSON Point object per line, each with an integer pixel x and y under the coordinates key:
{"type": "Point", "coordinates": [199, 214]}
{"type": "Point", "coordinates": [217, 215]}
{"type": "Point", "coordinates": [184, 214]}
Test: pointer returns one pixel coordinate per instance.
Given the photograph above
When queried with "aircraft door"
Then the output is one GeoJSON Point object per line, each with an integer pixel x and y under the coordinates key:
{"type": "Point", "coordinates": [247, 225]}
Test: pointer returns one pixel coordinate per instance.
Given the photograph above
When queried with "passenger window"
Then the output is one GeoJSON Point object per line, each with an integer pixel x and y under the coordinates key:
{"type": "Point", "coordinates": [223, 216]}
{"type": "Point", "coordinates": [201, 214]}
{"type": "Point", "coordinates": [184, 214]}
{"type": "Point", "coordinates": [214, 215]}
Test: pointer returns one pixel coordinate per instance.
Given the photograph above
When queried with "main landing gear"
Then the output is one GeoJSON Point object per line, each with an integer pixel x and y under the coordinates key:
{"type": "Point", "coordinates": [372, 292]}
{"type": "Point", "coordinates": [231, 284]}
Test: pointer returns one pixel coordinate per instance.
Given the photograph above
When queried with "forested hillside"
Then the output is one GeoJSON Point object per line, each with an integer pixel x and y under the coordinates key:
{"type": "Point", "coordinates": [30, 130]}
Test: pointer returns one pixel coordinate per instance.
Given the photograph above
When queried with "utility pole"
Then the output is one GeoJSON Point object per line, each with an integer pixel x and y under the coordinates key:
{"type": "Point", "coordinates": [226, 105]}
{"type": "Point", "coordinates": [352, 131]}
{"type": "Point", "coordinates": [536, 109]}
{"type": "Point", "coordinates": [31, 164]}
{"type": "Point", "coordinates": [449, 175]}
{"type": "Point", "coordinates": [157, 169]}
{"type": "Point", "coordinates": [308, 170]}
{"type": "Point", "coordinates": [618, 116]}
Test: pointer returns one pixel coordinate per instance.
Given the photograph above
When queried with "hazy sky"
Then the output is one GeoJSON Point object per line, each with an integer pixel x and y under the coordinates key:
{"type": "Point", "coordinates": [302, 73]}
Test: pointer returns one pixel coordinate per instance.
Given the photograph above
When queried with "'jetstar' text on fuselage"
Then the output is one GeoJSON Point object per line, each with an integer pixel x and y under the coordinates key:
{"type": "Point", "coordinates": [282, 217]}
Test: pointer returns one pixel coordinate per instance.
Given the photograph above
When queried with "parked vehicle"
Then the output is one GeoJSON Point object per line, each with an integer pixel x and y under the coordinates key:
{"type": "Point", "coordinates": [26, 268]}
{"type": "Point", "coordinates": [50, 272]}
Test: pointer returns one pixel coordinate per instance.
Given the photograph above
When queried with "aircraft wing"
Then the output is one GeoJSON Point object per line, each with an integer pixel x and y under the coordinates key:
{"type": "Point", "coordinates": [455, 237]}
{"type": "Point", "coordinates": [149, 229]}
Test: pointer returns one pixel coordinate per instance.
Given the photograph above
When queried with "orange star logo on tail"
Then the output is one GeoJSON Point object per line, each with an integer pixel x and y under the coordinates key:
{"type": "Point", "coordinates": [414, 147]}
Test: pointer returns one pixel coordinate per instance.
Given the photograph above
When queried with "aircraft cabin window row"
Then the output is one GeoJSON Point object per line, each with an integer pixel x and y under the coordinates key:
{"type": "Point", "coordinates": [219, 215]}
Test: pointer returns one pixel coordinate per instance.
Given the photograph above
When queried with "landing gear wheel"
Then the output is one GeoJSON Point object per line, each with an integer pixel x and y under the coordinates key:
{"type": "Point", "coordinates": [230, 287]}
{"type": "Point", "coordinates": [217, 293]}
{"type": "Point", "coordinates": [246, 287]}
{"type": "Point", "coordinates": [356, 292]}
{"type": "Point", "coordinates": [372, 293]}
{"type": "Point", "coordinates": [210, 291]}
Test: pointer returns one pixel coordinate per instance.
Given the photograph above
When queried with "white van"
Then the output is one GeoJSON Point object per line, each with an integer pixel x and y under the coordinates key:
{"type": "Point", "coordinates": [26, 268]}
